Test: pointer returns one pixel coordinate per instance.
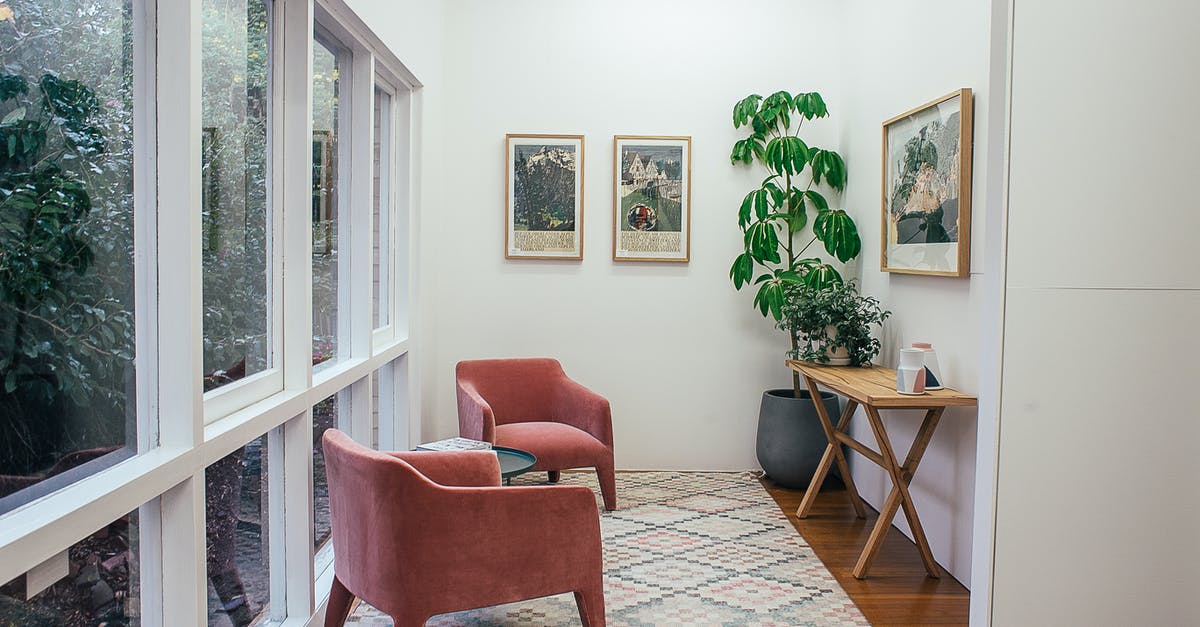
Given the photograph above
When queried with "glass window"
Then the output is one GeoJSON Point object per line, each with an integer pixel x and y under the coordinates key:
{"type": "Point", "coordinates": [100, 584]}
{"type": "Point", "coordinates": [237, 558]}
{"type": "Point", "coordinates": [66, 244]}
{"type": "Point", "coordinates": [325, 115]}
{"type": "Point", "coordinates": [381, 255]}
{"type": "Point", "coordinates": [235, 197]}
{"type": "Point", "coordinates": [325, 416]}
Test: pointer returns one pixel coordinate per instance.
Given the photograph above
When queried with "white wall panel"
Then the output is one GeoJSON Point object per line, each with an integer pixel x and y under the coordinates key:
{"type": "Point", "coordinates": [1104, 121]}
{"type": "Point", "coordinates": [1098, 509]}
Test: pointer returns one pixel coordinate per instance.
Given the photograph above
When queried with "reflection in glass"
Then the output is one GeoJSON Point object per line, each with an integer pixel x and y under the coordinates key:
{"type": "Point", "coordinates": [237, 557]}
{"type": "Point", "coordinates": [235, 238]}
{"type": "Point", "coordinates": [325, 417]}
{"type": "Point", "coordinates": [66, 244]}
{"type": "Point", "coordinates": [101, 586]}
{"type": "Point", "coordinates": [325, 202]}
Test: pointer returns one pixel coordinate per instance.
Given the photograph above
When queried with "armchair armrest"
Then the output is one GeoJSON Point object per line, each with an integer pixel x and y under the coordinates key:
{"type": "Point", "coordinates": [454, 468]}
{"type": "Point", "coordinates": [584, 409]}
{"type": "Point", "coordinates": [475, 417]}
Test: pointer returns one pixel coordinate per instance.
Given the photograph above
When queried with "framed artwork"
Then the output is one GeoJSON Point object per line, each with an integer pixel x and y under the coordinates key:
{"type": "Point", "coordinates": [652, 198]}
{"type": "Point", "coordinates": [927, 188]}
{"type": "Point", "coordinates": [543, 197]}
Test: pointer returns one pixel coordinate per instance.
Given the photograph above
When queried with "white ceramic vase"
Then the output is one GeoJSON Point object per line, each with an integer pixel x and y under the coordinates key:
{"type": "Point", "coordinates": [933, 372]}
{"type": "Point", "coordinates": [910, 375]}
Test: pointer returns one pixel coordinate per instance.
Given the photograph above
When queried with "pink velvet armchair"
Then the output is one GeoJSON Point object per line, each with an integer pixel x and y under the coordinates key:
{"type": "Point", "coordinates": [417, 534]}
{"type": "Point", "coordinates": [530, 404]}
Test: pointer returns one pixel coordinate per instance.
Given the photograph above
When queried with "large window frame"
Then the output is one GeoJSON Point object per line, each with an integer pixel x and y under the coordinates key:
{"type": "Point", "coordinates": [181, 430]}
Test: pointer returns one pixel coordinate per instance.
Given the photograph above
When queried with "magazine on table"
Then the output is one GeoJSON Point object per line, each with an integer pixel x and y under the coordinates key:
{"type": "Point", "coordinates": [456, 444]}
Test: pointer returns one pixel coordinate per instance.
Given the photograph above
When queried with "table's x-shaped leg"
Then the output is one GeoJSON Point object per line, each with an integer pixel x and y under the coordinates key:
{"type": "Point", "coordinates": [832, 452]}
{"type": "Point", "coordinates": [886, 458]}
{"type": "Point", "coordinates": [899, 495]}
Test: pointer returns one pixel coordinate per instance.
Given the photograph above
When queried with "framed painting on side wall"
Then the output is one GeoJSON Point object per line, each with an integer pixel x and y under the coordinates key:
{"type": "Point", "coordinates": [543, 197]}
{"type": "Point", "coordinates": [927, 188]}
{"type": "Point", "coordinates": [652, 198]}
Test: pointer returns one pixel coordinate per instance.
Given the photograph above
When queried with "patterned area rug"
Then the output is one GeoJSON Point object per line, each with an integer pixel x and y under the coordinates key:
{"type": "Point", "coordinates": [685, 548]}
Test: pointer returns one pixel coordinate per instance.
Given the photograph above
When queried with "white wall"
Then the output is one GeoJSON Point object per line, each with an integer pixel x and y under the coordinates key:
{"type": "Point", "coordinates": [1098, 508]}
{"type": "Point", "coordinates": [888, 72]}
{"type": "Point", "coordinates": [681, 355]}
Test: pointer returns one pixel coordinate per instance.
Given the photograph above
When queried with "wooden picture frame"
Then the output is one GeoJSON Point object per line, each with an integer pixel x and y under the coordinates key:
{"type": "Point", "coordinates": [652, 198]}
{"type": "Point", "coordinates": [926, 213]}
{"type": "Point", "coordinates": [543, 196]}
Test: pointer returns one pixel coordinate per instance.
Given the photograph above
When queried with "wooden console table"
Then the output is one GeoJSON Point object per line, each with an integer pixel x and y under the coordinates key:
{"type": "Point", "coordinates": [874, 389]}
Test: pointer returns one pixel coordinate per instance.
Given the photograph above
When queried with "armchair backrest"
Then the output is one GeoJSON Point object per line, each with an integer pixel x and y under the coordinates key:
{"type": "Point", "coordinates": [369, 492]}
{"type": "Point", "coordinates": [517, 390]}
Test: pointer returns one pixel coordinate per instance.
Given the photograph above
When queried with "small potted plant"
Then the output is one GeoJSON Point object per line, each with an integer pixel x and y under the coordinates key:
{"type": "Point", "coordinates": [832, 324]}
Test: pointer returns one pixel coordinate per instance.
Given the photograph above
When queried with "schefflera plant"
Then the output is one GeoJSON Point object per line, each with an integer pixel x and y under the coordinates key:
{"type": "Point", "coordinates": [773, 216]}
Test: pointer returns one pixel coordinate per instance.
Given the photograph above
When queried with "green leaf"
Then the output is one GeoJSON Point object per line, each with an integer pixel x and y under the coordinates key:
{"type": "Point", "coordinates": [769, 298]}
{"type": "Point", "coordinates": [761, 205]}
{"type": "Point", "coordinates": [14, 115]}
{"type": "Point", "coordinates": [817, 200]}
{"type": "Point", "coordinates": [742, 270]}
{"type": "Point", "coordinates": [837, 231]}
{"type": "Point", "coordinates": [799, 154]}
{"type": "Point", "coordinates": [744, 109]}
{"type": "Point", "coordinates": [745, 209]}
{"type": "Point", "coordinates": [810, 105]}
{"type": "Point", "coordinates": [12, 85]}
{"type": "Point", "coordinates": [821, 276]}
{"type": "Point", "coordinates": [774, 155]}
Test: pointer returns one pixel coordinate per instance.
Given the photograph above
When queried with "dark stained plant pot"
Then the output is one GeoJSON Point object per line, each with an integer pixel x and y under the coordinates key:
{"type": "Point", "coordinates": [790, 439]}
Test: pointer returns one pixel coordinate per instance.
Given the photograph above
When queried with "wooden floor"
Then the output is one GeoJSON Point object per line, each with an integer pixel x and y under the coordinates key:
{"type": "Point", "coordinates": [897, 590]}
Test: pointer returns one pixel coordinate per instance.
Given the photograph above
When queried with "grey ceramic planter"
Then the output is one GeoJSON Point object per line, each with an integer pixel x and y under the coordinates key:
{"type": "Point", "coordinates": [790, 439]}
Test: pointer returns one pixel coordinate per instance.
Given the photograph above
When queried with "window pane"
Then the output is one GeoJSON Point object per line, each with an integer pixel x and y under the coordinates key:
{"type": "Point", "coordinates": [325, 417]}
{"type": "Point", "coordinates": [66, 244]}
{"type": "Point", "coordinates": [237, 558]}
{"type": "Point", "coordinates": [100, 588]}
{"type": "Point", "coordinates": [325, 202]}
{"type": "Point", "coordinates": [382, 206]}
{"type": "Point", "coordinates": [235, 239]}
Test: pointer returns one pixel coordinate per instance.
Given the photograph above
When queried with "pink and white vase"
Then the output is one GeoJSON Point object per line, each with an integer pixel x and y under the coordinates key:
{"type": "Point", "coordinates": [910, 375]}
{"type": "Point", "coordinates": [933, 372]}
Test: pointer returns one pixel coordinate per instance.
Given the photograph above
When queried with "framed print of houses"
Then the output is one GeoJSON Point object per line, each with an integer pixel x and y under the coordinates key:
{"type": "Point", "coordinates": [927, 189]}
{"type": "Point", "coordinates": [652, 198]}
{"type": "Point", "coordinates": [543, 197]}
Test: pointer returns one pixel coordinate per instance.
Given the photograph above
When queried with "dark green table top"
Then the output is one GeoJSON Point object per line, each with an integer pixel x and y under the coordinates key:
{"type": "Point", "coordinates": [513, 461]}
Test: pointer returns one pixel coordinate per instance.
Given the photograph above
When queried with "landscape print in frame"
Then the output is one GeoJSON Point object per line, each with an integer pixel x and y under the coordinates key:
{"type": "Point", "coordinates": [652, 198]}
{"type": "Point", "coordinates": [927, 188]}
{"type": "Point", "coordinates": [543, 197]}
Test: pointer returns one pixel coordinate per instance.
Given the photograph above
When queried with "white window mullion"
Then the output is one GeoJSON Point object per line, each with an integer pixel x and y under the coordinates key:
{"type": "Point", "coordinates": [294, 523]}
{"type": "Point", "coordinates": [181, 417]}
{"type": "Point", "coordinates": [360, 191]}
{"type": "Point", "coordinates": [404, 218]}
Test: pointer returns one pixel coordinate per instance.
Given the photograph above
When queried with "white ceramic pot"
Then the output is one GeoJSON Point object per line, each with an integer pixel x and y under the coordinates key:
{"type": "Point", "coordinates": [910, 375]}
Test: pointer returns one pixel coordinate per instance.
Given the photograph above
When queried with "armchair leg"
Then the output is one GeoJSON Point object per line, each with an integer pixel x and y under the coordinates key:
{"type": "Point", "coordinates": [553, 475]}
{"type": "Point", "coordinates": [591, 606]}
{"type": "Point", "coordinates": [410, 619]}
{"type": "Point", "coordinates": [339, 604]}
{"type": "Point", "coordinates": [608, 485]}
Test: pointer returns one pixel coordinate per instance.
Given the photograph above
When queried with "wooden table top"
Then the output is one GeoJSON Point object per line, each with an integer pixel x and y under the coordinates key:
{"type": "Point", "coordinates": [876, 386]}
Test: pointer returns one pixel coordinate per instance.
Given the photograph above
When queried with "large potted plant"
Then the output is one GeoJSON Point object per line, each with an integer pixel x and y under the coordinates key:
{"type": "Point", "coordinates": [778, 235]}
